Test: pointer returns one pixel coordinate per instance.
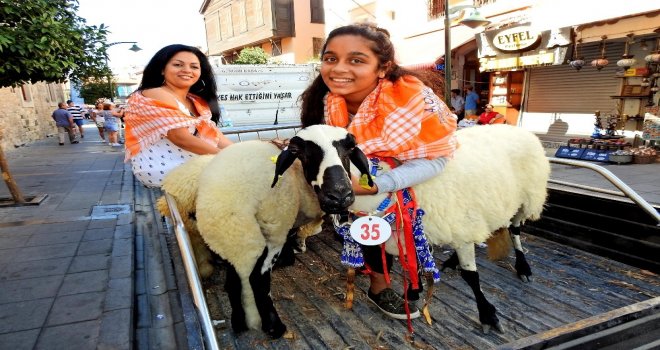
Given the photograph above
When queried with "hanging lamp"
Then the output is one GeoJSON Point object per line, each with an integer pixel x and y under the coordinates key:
{"type": "Point", "coordinates": [601, 62]}
{"type": "Point", "coordinates": [654, 57]}
{"type": "Point", "coordinates": [577, 62]}
{"type": "Point", "coordinates": [627, 59]}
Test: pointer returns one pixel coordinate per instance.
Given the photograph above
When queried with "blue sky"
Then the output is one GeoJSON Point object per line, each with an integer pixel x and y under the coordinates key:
{"type": "Point", "coordinates": [152, 23]}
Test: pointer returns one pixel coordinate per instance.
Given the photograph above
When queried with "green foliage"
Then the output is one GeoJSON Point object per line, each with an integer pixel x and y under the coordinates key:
{"type": "Point", "coordinates": [252, 55]}
{"type": "Point", "coordinates": [95, 89]}
{"type": "Point", "coordinates": [44, 40]}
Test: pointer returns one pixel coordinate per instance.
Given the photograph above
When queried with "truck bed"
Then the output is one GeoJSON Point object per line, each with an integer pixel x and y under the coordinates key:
{"type": "Point", "coordinates": [568, 285]}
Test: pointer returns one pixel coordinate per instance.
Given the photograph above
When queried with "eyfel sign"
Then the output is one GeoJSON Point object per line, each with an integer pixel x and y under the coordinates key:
{"type": "Point", "coordinates": [515, 39]}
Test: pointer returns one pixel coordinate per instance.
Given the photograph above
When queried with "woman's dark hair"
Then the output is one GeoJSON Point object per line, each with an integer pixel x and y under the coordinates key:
{"type": "Point", "coordinates": [205, 87]}
{"type": "Point", "coordinates": [312, 97]}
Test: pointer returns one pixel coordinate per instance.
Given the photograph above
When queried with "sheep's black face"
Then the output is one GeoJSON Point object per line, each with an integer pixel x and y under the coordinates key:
{"type": "Point", "coordinates": [325, 153]}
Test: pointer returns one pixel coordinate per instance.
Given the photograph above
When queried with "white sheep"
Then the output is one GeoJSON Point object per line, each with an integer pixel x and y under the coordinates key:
{"type": "Point", "coordinates": [498, 178]}
{"type": "Point", "coordinates": [244, 214]}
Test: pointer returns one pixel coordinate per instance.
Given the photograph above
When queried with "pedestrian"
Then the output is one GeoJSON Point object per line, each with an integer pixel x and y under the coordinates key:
{"type": "Point", "coordinates": [471, 101]}
{"type": "Point", "coordinates": [65, 124]}
{"type": "Point", "coordinates": [98, 119]}
{"type": "Point", "coordinates": [77, 113]}
{"type": "Point", "coordinates": [173, 115]}
{"type": "Point", "coordinates": [111, 123]}
{"type": "Point", "coordinates": [458, 102]}
{"type": "Point", "coordinates": [392, 114]}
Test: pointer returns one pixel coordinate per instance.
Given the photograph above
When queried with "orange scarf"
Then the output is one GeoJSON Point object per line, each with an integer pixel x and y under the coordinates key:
{"type": "Point", "coordinates": [148, 120]}
{"type": "Point", "coordinates": [404, 120]}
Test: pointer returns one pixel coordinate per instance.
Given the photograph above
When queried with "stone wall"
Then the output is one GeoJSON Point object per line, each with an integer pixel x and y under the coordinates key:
{"type": "Point", "coordinates": [26, 120]}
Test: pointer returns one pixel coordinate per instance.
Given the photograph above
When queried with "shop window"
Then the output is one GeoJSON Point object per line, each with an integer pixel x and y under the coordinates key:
{"type": "Point", "coordinates": [316, 7]}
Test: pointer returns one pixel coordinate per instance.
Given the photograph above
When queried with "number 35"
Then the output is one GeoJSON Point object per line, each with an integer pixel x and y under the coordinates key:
{"type": "Point", "coordinates": [370, 232]}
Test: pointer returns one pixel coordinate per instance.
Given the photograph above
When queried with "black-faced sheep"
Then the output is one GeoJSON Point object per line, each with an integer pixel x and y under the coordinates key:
{"type": "Point", "coordinates": [244, 214]}
{"type": "Point", "coordinates": [498, 178]}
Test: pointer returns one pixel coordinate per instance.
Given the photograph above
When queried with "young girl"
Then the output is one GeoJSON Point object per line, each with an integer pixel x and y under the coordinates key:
{"type": "Point", "coordinates": [391, 113]}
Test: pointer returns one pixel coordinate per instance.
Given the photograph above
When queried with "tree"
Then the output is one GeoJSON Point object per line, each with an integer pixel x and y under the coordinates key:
{"type": "Point", "coordinates": [44, 40]}
{"type": "Point", "coordinates": [252, 55]}
{"type": "Point", "coordinates": [94, 89]}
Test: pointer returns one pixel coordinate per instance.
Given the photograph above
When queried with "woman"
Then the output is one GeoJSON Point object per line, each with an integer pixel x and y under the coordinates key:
{"type": "Point", "coordinates": [98, 119]}
{"type": "Point", "coordinates": [392, 114]}
{"type": "Point", "coordinates": [173, 114]}
{"type": "Point", "coordinates": [110, 123]}
{"type": "Point", "coordinates": [491, 117]}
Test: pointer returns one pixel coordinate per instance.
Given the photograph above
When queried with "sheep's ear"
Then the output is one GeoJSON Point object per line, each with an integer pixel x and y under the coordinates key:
{"type": "Point", "coordinates": [286, 158]}
{"type": "Point", "coordinates": [362, 163]}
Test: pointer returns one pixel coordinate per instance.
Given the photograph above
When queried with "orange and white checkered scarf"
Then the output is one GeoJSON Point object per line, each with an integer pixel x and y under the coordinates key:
{"type": "Point", "coordinates": [148, 120]}
{"type": "Point", "coordinates": [404, 120]}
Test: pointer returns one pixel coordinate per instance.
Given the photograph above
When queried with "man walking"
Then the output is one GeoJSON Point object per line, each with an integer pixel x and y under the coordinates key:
{"type": "Point", "coordinates": [77, 113]}
{"type": "Point", "coordinates": [471, 101]}
{"type": "Point", "coordinates": [458, 103]}
{"type": "Point", "coordinates": [65, 124]}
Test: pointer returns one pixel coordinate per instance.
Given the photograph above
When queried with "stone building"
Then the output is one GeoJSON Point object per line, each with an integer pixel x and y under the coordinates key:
{"type": "Point", "coordinates": [25, 112]}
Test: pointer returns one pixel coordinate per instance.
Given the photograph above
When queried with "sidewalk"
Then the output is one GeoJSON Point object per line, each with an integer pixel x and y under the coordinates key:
{"type": "Point", "coordinates": [67, 265]}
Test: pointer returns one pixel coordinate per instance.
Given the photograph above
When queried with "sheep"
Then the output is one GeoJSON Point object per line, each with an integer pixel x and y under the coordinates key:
{"type": "Point", "coordinates": [244, 214]}
{"type": "Point", "coordinates": [497, 179]}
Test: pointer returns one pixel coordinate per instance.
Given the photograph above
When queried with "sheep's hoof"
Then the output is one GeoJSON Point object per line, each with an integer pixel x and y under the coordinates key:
{"type": "Point", "coordinates": [498, 327]}
{"type": "Point", "coordinates": [277, 331]}
{"type": "Point", "coordinates": [525, 278]}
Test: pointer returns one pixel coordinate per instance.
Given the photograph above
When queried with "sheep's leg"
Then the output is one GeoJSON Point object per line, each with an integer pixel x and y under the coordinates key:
{"type": "Point", "coordinates": [287, 256]}
{"type": "Point", "coordinates": [233, 287]}
{"type": "Point", "coordinates": [260, 283]}
{"type": "Point", "coordinates": [451, 263]}
{"type": "Point", "coordinates": [523, 269]}
{"type": "Point", "coordinates": [487, 312]}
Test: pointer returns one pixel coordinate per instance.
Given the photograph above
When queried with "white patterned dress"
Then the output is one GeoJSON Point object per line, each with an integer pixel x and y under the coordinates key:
{"type": "Point", "coordinates": [152, 163]}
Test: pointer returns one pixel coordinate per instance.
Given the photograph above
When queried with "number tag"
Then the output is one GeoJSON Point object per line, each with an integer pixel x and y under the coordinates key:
{"type": "Point", "coordinates": [370, 230]}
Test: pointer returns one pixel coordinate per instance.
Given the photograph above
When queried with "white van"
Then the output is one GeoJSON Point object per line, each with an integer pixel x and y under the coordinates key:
{"type": "Point", "coordinates": [260, 95]}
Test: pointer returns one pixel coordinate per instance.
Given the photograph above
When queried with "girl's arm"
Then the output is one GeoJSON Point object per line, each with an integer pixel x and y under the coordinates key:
{"type": "Point", "coordinates": [408, 174]}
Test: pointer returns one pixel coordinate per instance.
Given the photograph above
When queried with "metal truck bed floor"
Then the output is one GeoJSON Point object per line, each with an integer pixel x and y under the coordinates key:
{"type": "Point", "coordinates": [568, 285]}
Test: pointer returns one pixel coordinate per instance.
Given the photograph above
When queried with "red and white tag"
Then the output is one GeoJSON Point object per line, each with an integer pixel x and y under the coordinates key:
{"type": "Point", "coordinates": [370, 230]}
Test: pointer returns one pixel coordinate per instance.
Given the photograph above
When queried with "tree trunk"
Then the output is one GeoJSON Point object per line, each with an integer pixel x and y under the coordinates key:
{"type": "Point", "coordinates": [11, 184]}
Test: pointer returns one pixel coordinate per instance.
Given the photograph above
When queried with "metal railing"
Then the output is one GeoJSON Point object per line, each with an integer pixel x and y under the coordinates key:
{"type": "Point", "coordinates": [627, 191]}
{"type": "Point", "coordinates": [190, 266]}
{"type": "Point", "coordinates": [258, 129]}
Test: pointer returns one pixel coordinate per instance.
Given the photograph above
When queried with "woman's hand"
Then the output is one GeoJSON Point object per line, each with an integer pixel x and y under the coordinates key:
{"type": "Point", "coordinates": [184, 139]}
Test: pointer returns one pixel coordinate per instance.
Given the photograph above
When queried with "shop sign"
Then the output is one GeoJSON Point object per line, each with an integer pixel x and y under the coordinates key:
{"type": "Point", "coordinates": [520, 47]}
{"type": "Point", "coordinates": [540, 59]}
{"type": "Point", "coordinates": [515, 39]}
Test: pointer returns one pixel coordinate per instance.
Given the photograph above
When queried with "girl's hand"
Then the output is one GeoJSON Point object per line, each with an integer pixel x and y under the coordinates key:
{"type": "Point", "coordinates": [359, 190]}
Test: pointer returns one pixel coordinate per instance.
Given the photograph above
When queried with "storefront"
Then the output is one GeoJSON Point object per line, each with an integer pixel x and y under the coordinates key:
{"type": "Point", "coordinates": [509, 53]}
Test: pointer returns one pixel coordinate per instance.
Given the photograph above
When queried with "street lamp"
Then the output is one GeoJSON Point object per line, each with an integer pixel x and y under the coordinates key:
{"type": "Point", "coordinates": [474, 20]}
{"type": "Point", "coordinates": [133, 48]}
